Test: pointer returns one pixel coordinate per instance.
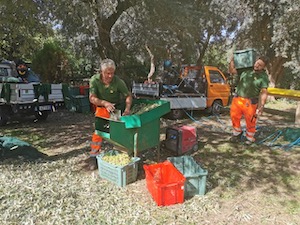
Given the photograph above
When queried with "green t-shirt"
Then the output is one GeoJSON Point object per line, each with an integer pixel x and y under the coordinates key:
{"type": "Point", "coordinates": [112, 93]}
{"type": "Point", "coordinates": [251, 83]}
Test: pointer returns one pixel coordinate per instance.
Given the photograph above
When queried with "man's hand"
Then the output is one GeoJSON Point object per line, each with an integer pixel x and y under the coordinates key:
{"type": "Point", "coordinates": [260, 110]}
{"type": "Point", "coordinates": [126, 112]}
{"type": "Point", "coordinates": [110, 107]}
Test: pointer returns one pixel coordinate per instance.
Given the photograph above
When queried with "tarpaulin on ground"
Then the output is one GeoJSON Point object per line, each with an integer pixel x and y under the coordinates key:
{"type": "Point", "coordinates": [12, 147]}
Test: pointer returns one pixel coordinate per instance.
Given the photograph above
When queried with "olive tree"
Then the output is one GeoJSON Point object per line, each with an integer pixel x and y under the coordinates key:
{"type": "Point", "coordinates": [23, 25]}
{"type": "Point", "coordinates": [271, 27]}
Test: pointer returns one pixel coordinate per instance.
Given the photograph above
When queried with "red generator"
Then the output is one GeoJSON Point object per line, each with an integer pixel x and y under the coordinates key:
{"type": "Point", "coordinates": [182, 139]}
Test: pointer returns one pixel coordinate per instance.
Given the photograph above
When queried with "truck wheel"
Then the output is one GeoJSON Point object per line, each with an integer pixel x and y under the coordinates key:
{"type": "Point", "coordinates": [3, 117]}
{"type": "Point", "coordinates": [176, 114]}
{"type": "Point", "coordinates": [41, 115]}
{"type": "Point", "coordinates": [215, 108]}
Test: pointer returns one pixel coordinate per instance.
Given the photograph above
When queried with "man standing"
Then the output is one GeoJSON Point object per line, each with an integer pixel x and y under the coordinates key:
{"type": "Point", "coordinates": [250, 98]}
{"type": "Point", "coordinates": [106, 92]}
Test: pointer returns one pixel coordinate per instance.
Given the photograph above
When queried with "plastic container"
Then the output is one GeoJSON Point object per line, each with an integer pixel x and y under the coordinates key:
{"type": "Point", "coordinates": [165, 183]}
{"type": "Point", "coordinates": [181, 139]}
{"type": "Point", "coordinates": [244, 58]}
{"type": "Point", "coordinates": [195, 183]}
{"type": "Point", "coordinates": [120, 175]}
{"type": "Point", "coordinates": [84, 90]}
{"type": "Point", "coordinates": [136, 132]}
{"type": "Point", "coordinates": [82, 103]}
{"type": "Point", "coordinates": [73, 91]}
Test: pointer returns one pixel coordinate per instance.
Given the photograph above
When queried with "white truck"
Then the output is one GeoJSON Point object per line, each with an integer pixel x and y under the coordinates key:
{"type": "Point", "coordinates": [26, 99]}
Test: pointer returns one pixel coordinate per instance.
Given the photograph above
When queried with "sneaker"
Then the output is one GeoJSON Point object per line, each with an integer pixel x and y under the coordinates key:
{"type": "Point", "coordinates": [236, 139]}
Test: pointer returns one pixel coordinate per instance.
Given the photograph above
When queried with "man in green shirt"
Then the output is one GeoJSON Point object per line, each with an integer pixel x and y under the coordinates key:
{"type": "Point", "coordinates": [250, 98]}
{"type": "Point", "coordinates": [107, 92]}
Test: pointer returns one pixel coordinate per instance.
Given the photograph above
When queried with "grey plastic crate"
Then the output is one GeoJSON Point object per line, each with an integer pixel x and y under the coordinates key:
{"type": "Point", "coordinates": [195, 183]}
{"type": "Point", "coordinates": [244, 58]}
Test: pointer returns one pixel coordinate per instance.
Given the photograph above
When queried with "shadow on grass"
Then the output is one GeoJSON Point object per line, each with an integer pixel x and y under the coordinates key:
{"type": "Point", "coordinates": [241, 167]}
{"type": "Point", "coordinates": [30, 154]}
{"type": "Point", "coordinates": [246, 167]}
{"type": "Point", "coordinates": [229, 165]}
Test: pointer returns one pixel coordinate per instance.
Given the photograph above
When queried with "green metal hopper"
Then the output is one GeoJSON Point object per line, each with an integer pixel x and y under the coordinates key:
{"type": "Point", "coordinates": [138, 132]}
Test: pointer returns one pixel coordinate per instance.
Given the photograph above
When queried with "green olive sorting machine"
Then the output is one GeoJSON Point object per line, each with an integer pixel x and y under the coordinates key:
{"type": "Point", "coordinates": [136, 132]}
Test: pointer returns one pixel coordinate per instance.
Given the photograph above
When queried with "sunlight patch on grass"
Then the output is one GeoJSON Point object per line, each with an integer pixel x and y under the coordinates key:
{"type": "Point", "coordinates": [282, 104]}
{"type": "Point", "coordinates": [293, 206]}
{"type": "Point", "coordinates": [224, 148]}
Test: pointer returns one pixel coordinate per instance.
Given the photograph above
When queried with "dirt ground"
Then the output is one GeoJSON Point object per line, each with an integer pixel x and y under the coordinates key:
{"type": "Point", "coordinates": [258, 179]}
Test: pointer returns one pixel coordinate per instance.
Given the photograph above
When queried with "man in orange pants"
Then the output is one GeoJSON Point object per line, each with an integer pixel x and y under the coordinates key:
{"type": "Point", "coordinates": [250, 98]}
{"type": "Point", "coordinates": [106, 91]}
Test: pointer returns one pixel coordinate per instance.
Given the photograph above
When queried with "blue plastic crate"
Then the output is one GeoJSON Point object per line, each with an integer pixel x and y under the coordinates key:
{"type": "Point", "coordinates": [195, 183]}
{"type": "Point", "coordinates": [120, 175]}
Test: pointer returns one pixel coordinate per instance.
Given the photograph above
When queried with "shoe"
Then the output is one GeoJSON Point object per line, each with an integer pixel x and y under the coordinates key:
{"type": "Point", "coordinates": [247, 142]}
{"type": "Point", "coordinates": [91, 164]}
{"type": "Point", "coordinates": [236, 139]}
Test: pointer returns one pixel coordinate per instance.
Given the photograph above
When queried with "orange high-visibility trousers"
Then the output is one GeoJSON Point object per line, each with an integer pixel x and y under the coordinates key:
{"type": "Point", "coordinates": [243, 107]}
{"type": "Point", "coordinates": [96, 139]}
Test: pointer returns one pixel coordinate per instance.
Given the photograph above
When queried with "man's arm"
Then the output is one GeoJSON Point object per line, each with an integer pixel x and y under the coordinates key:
{"type": "Point", "coordinates": [262, 101]}
{"type": "Point", "coordinates": [128, 102]}
{"type": "Point", "coordinates": [231, 67]}
{"type": "Point", "coordinates": [99, 102]}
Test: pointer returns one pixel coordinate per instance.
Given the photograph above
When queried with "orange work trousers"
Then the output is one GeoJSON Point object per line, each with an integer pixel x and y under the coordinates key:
{"type": "Point", "coordinates": [96, 139]}
{"type": "Point", "coordinates": [243, 107]}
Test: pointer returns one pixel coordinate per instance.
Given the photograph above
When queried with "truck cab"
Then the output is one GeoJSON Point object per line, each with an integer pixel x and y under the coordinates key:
{"type": "Point", "coordinates": [218, 90]}
{"type": "Point", "coordinates": [7, 69]}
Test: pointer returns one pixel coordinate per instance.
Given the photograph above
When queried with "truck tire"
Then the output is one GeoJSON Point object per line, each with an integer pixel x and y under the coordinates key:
{"type": "Point", "coordinates": [176, 114]}
{"type": "Point", "coordinates": [215, 108]}
{"type": "Point", "coordinates": [3, 117]}
{"type": "Point", "coordinates": [41, 115]}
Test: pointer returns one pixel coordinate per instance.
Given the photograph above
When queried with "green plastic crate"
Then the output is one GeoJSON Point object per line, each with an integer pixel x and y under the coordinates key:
{"type": "Point", "coordinates": [81, 103]}
{"type": "Point", "coordinates": [120, 175]}
{"type": "Point", "coordinates": [73, 91]}
{"type": "Point", "coordinates": [81, 100]}
{"type": "Point", "coordinates": [244, 58]}
{"type": "Point", "coordinates": [195, 183]}
{"type": "Point", "coordinates": [83, 109]}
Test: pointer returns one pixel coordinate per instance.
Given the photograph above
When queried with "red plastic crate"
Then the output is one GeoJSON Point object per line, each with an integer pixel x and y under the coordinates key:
{"type": "Point", "coordinates": [84, 90]}
{"type": "Point", "coordinates": [165, 183]}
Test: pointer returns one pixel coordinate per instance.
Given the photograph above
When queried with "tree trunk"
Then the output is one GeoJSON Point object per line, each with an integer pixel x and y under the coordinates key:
{"type": "Point", "coordinates": [152, 68]}
{"type": "Point", "coordinates": [106, 49]}
{"type": "Point", "coordinates": [297, 116]}
{"type": "Point", "coordinates": [276, 70]}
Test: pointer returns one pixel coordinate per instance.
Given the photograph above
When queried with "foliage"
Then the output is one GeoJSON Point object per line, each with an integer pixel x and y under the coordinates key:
{"type": "Point", "coordinates": [51, 62]}
{"type": "Point", "coordinates": [22, 28]}
{"type": "Point", "coordinates": [187, 32]}
{"type": "Point", "coordinates": [272, 27]}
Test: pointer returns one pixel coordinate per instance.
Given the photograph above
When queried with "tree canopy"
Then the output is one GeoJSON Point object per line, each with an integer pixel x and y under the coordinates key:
{"type": "Point", "coordinates": [188, 32]}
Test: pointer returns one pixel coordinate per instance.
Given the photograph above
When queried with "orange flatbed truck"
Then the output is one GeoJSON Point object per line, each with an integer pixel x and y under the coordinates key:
{"type": "Point", "coordinates": [197, 88]}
